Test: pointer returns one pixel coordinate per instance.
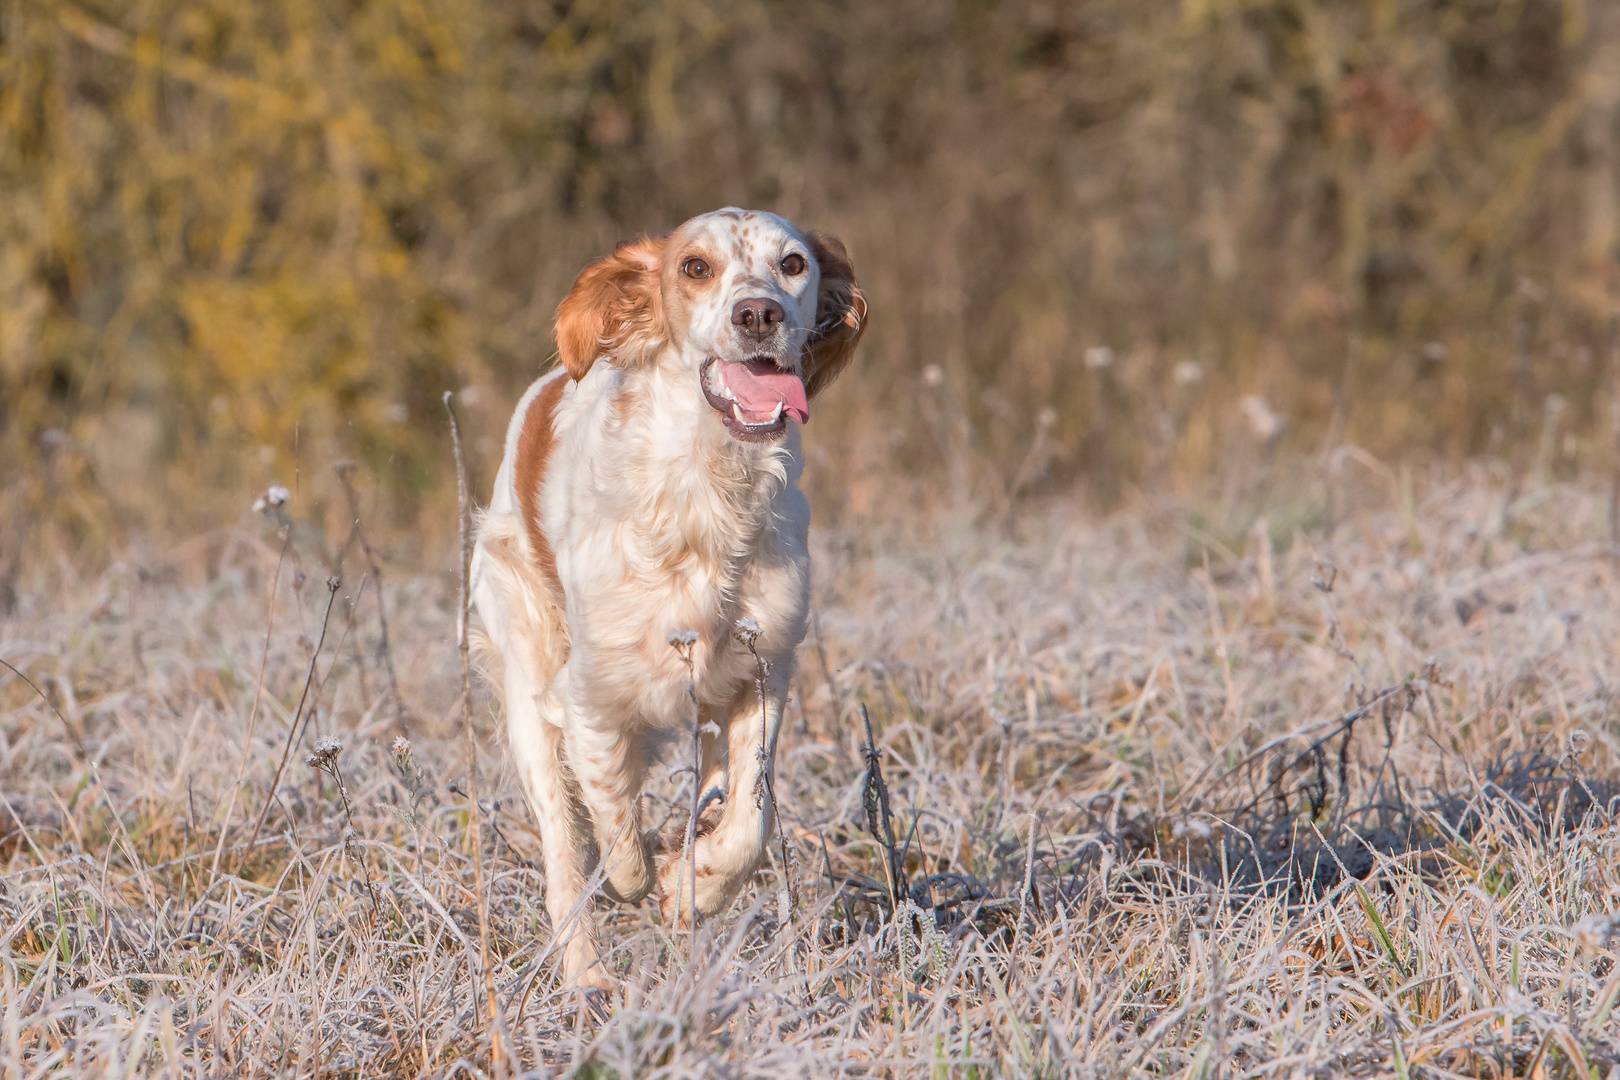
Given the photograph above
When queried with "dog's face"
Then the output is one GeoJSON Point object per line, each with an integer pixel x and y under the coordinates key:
{"type": "Point", "coordinates": [757, 315]}
{"type": "Point", "coordinates": [740, 293]}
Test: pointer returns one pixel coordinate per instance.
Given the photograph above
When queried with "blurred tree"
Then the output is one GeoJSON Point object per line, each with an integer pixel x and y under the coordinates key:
{"type": "Point", "coordinates": [232, 231]}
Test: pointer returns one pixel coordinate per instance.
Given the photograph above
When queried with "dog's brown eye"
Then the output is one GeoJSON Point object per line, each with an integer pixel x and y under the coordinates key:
{"type": "Point", "coordinates": [696, 268]}
{"type": "Point", "coordinates": [793, 264]}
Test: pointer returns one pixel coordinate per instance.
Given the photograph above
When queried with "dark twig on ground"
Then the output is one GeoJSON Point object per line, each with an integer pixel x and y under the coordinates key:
{"type": "Point", "coordinates": [879, 819]}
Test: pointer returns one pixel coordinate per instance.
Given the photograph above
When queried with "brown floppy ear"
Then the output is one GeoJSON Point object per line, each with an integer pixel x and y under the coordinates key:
{"type": "Point", "coordinates": [840, 315]}
{"type": "Point", "coordinates": [615, 309]}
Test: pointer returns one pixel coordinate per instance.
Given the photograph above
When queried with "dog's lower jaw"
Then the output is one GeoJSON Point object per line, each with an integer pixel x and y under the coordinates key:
{"type": "Point", "coordinates": [732, 421]}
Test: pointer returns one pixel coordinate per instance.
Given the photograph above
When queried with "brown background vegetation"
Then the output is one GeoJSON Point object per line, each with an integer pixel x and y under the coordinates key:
{"type": "Point", "coordinates": [242, 239]}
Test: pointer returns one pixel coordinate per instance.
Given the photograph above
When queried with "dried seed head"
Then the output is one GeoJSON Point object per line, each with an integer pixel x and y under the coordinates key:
{"type": "Point", "coordinates": [325, 755]}
{"type": "Point", "coordinates": [1263, 422]}
{"type": "Point", "coordinates": [1593, 932]}
{"type": "Point", "coordinates": [273, 498]}
{"type": "Point", "coordinates": [1198, 830]}
{"type": "Point", "coordinates": [682, 639]}
{"type": "Point", "coordinates": [747, 630]}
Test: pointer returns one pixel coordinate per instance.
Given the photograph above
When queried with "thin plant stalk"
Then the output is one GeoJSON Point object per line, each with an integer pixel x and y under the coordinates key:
{"type": "Point", "coordinates": [292, 729]}
{"type": "Point", "coordinates": [396, 703]}
{"type": "Point", "coordinates": [258, 695]}
{"type": "Point", "coordinates": [682, 641]}
{"type": "Point", "coordinates": [325, 759]}
{"type": "Point", "coordinates": [473, 816]}
{"type": "Point", "coordinates": [747, 632]}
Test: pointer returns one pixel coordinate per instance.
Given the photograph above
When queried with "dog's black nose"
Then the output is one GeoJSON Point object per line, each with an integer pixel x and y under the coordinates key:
{"type": "Point", "coordinates": [757, 318]}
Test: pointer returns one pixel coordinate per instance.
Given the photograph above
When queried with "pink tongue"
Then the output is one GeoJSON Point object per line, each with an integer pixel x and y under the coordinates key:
{"type": "Point", "coordinates": [759, 384]}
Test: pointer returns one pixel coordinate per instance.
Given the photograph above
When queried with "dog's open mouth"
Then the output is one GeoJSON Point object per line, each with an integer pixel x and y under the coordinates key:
{"type": "Point", "coordinates": [754, 397]}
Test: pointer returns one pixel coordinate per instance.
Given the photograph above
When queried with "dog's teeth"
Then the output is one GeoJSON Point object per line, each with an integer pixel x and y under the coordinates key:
{"type": "Point", "coordinates": [777, 415]}
{"type": "Point", "coordinates": [736, 411]}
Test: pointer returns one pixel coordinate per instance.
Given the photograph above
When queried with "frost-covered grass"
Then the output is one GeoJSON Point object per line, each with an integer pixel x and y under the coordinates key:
{"type": "Point", "coordinates": [1127, 765]}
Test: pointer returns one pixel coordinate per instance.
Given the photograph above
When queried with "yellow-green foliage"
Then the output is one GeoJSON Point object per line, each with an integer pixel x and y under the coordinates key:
{"type": "Point", "coordinates": [236, 232]}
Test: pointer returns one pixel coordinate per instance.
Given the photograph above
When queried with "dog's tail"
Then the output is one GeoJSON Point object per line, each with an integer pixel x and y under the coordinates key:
{"type": "Point", "coordinates": [506, 574]}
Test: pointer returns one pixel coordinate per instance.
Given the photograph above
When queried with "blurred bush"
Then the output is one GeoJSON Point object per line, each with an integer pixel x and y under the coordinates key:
{"type": "Point", "coordinates": [1113, 241]}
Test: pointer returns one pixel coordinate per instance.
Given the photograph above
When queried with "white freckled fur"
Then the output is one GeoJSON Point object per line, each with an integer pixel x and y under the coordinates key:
{"type": "Point", "coordinates": [660, 521]}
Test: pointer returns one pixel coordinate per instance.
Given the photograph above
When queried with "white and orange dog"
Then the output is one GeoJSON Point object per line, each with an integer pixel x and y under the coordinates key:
{"type": "Point", "coordinates": [648, 490]}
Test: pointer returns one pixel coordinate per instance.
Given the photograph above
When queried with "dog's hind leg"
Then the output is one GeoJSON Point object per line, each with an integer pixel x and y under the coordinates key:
{"type": "Point", "coordinates": [525, 630]}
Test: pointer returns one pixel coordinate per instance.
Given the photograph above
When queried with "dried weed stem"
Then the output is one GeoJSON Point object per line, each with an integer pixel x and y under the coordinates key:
{"type": "Point", "coordinates": [474, 816]}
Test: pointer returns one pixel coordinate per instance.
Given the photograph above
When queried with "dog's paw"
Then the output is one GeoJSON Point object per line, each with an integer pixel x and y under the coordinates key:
{"type": "Point", "coordinates": [711, 808]}
{"type": "Point", "coordinates": [597, 983]}
{"type": "Point", "coordinates": [714, 892]}
{"type": "Point", "coordinates": [675, 891]}
{"type": "Point", "coordinates": [631, 875]}
{"type": "Point", "coordinates": [583, 968]}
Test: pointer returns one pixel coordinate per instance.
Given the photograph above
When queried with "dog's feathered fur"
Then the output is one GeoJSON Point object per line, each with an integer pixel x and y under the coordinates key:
{"type": "Point", "coordinates": [628, 507]}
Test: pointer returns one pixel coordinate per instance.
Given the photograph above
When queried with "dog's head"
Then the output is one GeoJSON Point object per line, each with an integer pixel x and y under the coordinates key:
{"type": "Point", "coordinates": [760, 316]}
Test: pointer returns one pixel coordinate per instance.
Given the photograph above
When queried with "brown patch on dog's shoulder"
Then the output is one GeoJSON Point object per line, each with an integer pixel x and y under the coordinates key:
{"type": "Point", "coordinates": [529, 473]}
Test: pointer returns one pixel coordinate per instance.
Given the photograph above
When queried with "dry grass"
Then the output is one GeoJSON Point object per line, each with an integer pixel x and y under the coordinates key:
{"type": "Point", "coordinates": [1093, 734]}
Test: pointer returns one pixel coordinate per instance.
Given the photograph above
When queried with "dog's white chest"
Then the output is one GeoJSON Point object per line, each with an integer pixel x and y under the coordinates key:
{"type": "Point", "coordinates": [632, 589]}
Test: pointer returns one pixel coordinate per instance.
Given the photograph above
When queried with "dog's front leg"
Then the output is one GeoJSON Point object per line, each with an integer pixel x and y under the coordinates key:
{"type": "Point", "coordinates": [537, 747]}
{"type": "Point", "coordinates": [727, 856]}
{"type": "Point", "coordinates": [610, 765]}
